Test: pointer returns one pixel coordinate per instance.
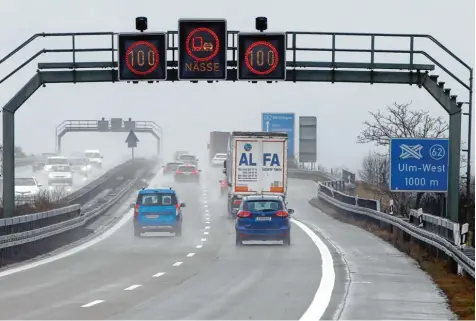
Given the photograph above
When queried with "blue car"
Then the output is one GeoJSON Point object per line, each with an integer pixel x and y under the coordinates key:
{"type": "Point", "coordinates": [157, 210]}
{"type": "Point", "coordinates": [263, 217]}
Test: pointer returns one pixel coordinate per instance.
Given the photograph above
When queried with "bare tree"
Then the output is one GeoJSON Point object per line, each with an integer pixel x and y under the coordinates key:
{"type": "Point", "coordinates": [375, 170]}
{"type": "Point", "coordinates": [400, 121]}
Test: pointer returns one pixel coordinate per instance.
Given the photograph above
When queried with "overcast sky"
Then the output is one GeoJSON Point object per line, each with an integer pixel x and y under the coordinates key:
{"type": "Point", "coordinates": [188, 112]}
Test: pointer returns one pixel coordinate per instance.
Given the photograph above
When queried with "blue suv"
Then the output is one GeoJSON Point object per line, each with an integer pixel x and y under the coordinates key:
{"type": "Point", "coordinates": [263, 217]}
{"type": "Point", "coordinates": [157, 210]}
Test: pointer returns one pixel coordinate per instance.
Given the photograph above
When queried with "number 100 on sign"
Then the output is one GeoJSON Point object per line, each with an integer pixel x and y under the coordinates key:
{"type": "Point", "coordinates": [142, 56]}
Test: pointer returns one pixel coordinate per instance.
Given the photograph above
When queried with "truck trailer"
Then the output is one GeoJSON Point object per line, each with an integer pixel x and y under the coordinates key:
{"type": "Point", "coordinates": [257, 163]}
{"type": "Point", "coordinates": [218, 143]}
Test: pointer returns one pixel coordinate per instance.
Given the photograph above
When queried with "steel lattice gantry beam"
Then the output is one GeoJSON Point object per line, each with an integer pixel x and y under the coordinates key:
{"type": "Point", "coordinates": [297, 71]}
{"type": "Point", "coordinates": [137, 126]}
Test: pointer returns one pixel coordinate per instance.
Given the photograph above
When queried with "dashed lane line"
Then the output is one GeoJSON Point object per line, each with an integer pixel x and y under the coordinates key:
{"type": "Point", "coordinates": [190, 254]}
{"type": "Point", "coordinates": [177, 264]}
{"type": "Point", "coordinates": [207, 227]}
{"type": "Point", "coordinates": [92, 303]}
{"type": "Point", "coordinates": [199, 246]}
{"type": "Point", "coordinates": [132, 287]}
{"type": "Point", "coordinates": [204, 239]}
{"type": "Point", "coordinates": [158, 275]}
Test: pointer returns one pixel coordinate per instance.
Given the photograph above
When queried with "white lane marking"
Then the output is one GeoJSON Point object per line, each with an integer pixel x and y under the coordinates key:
{"type": "Point", "coordinates": [199, 246]}
{"type": "Point", "coordinates": [158, 274]}
{"type": "Point", "coordinates": [72, 251]}
{"type": "Point", "coordinates": [322, 298]}
{"type": "Point", "coordinates": [205, 205]}
{"type": "Point", "coordinates": [205, 233]}
{"type": "Point", "coordinates": [90, 304]}
{"type": "Point", "coordinates": [205, 201]}
{"type": "Point", "coordinates": [190, 254]}
{"type": "Point", "coordinates": [204, 240]}
{"type": "Point", "coordinates": [177, 263]}
{"type": "Point", "coordinates": [132, 287]}
{"type": "Point", "coordinates": [207, 227]}
{"type": "Point", "coordinates": [206, 210]}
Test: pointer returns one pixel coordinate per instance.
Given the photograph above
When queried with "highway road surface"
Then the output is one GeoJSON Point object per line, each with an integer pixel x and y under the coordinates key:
{"type": "Point", "coordinates": [332, 270]}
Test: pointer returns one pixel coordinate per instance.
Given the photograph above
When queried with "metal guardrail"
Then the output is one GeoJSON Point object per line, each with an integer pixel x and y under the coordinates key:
{"type": "Point", "coordinates": [47, 223]}
{"type": "Point", "coordinates": [433, 231]}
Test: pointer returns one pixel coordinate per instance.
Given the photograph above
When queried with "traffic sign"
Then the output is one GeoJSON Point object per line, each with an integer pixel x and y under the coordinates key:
{"type": "Point", "coordinates": [132, 140]}
{"type": "Point", "coordinates": [142, 56]}
{"type": "Point", "coordinates": [202, 49]}
{"type": "Point", "coordinates": [281, 123]}
{"type": "Point", "coordinates": [419, 164]}
{"type": "Point", "coordinates": [261, 56]}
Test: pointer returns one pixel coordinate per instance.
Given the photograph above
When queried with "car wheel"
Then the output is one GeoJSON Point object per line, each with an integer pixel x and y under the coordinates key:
{"type": "Point", "coordinates": [287, 239]}
{"type": "Point", "coordinates": [238, 240]}
{"type": "Point", "coordinates": [137, 232]}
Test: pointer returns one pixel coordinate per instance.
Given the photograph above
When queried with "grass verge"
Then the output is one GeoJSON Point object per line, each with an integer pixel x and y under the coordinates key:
{"type": "Point", "coordinates": [459, 290]}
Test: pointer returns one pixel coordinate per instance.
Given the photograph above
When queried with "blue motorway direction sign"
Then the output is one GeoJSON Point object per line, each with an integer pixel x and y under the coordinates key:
{"type": "Point", "coordinates": [419, 164]}
{"type": "Point", "coordinates": [282, 123]}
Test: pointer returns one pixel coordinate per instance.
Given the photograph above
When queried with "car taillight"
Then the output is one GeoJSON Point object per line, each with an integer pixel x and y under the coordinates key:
{"type": "Point", "coordinates": [195, 172]}
{"type": "Point", "coordinates": [177, 209]}
{"type": "Point", "coordinates": [136, 211]}
{"type": "Point", "coordinates": [282, 214]}
{"type": "Point", "coordinates": [243, 214]}
{"type": "Point", "coordinates": [179, 172]}
{"type": "Point", "coordinates": [236, 202]}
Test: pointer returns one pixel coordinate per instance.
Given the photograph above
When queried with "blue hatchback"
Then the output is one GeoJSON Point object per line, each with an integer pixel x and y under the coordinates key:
{"type": "Point", "coordinates": [263, 217]}
{"type": "Point", "coordinates": [157, 210]}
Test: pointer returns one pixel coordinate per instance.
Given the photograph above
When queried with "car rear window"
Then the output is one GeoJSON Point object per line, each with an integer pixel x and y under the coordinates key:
{"type": "Point", "coordinates": [187, 157]}
{"type": "Point", "coordinates": [187, 169]}
{"type": "Point", "coordinates": [262, 206]}
{"type": "Point", "coordinates": [173, 166]}
{"type": "Point", "coordinates": [157, 199]}
{"type": "Point", "coordinates": [53, 161]}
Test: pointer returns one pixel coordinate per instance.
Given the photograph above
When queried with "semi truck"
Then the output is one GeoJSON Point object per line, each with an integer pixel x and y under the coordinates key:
{"type": "Point", "coordinates": [257, 163]}
{"type": "Point", "coordinates": [218, 143]}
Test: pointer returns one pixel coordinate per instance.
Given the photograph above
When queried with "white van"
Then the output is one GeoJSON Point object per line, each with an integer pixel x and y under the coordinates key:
{"type": "Point", "coordinates": [95, 157]}
{"type": "Point", "coordinates": [55, 160]}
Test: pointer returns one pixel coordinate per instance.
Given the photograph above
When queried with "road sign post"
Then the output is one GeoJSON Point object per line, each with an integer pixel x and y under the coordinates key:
{"type": "Point", "coordinates": [419, 165]}
{"type": "Point", "coordinates": [132, 141]}
{"type": "Point", "coordinates": [280, 123]}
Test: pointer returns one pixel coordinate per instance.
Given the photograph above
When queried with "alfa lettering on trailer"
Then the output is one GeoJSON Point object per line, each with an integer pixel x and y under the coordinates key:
{"type": "Point", "coordinates": [269, 159]}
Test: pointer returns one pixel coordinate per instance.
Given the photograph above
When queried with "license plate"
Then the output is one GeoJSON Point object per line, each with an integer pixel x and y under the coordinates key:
{"type": "Point", "coordinates": [152, 216]}
{"type": "Point", "coordinates": [265, 218]}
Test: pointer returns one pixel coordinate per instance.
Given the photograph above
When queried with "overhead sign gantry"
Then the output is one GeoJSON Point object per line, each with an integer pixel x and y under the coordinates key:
{"type": "Point", "coordinates": [254, 57]}
{"type": "Point", "coordinates": [114, 125]}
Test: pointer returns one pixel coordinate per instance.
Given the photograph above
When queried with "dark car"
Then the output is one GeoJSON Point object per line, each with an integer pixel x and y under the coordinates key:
{"type": "Point", "coordinates": [171, 167]}
{"type": "Point", "coordinates": [187, 173]}
{"type": "Point", "coordinates": [80, 165]}
{"type": "Point", "coordinates": [263, 217]}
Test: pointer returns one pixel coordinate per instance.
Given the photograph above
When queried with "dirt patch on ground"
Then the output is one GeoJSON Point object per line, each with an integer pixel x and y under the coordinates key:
{"type": "Point", "coordinates": [458, 289]}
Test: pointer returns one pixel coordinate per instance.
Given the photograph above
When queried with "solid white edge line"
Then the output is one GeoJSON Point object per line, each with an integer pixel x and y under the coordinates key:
{"type": "Point", "coordinates": [323, 295]}
{"type": "Point", "coordinates": [132, 287]}
{"type": "Point", "coordinates": [113, 229]}
{"type": "Point", "coordinates": [177, 264]}
{"type": "Point", "coordinates": [158, 274]}
{"type": "Point", "coordinates": [90, 304]}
